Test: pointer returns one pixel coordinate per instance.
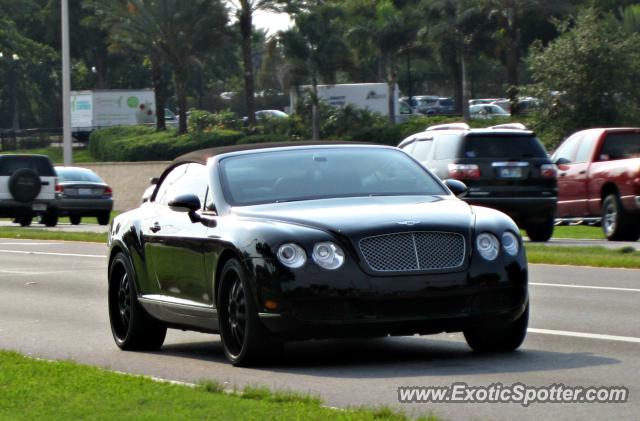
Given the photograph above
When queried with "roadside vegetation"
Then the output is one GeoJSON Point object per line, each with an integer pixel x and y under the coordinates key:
{"type": "Point", "coordinates": [55, 154]}
{"type": "Point", "coordinates": [34, 389]}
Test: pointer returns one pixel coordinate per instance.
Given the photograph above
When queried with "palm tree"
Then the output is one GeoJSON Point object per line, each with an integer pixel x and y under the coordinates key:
{"type": "Point", "coordinates": [391, 30]}
{"type": "Point", "coordinates": [174, 32]}
{"type": "Point", "coordinates": [316, 50]}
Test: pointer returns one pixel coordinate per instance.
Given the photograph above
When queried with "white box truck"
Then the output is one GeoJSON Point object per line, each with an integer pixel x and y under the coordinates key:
{"type": "Point", "coordinates": [370, 96]}
{"type": "Point", "coordinates": [91, 110]}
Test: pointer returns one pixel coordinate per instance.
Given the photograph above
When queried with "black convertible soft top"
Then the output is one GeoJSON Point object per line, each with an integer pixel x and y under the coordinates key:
{"type": "Point", "coordinates": [201, 156]}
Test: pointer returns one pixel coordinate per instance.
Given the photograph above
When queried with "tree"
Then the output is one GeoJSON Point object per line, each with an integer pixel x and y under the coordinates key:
{"type": "Point", "coordinates": [390, 29]}
{"type": "Point", "coordinates": [168, 31]}
{"type": "Point", "coordinates": [316, 50]}
{"type": "Point", "coordinates": [589, 75]}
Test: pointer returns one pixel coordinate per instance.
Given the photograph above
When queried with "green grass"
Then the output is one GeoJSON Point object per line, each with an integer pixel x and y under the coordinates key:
{"type": "Point", "coordinates": [55, 154]}
{"type": "Point", "coordinates": [41, 390]}
{"type": "Point", "coordinates": [578, 232]}
{"type": "Point", "coordinates": [625, 257]}
{"type": "Point", "coordinates": [88, 219]}
{"type": "Point", "coordinates": [42, 234]}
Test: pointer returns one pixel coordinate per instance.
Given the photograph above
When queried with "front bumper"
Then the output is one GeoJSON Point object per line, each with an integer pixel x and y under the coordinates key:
{"type": "Point", "coordinates": [355, 304]}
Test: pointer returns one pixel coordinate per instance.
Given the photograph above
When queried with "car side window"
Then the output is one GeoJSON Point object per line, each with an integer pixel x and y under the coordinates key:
{"type": "Point", "coordinates": [194, 181]}
{"type": "Point", "coordinates": [585, 148]}
{"type": "Point", "coordinates": [446, 146]}
{"type": "Point", "coordinates": [422, 149]}
{"type": "Point", "coordinates": [568, 148]}
{"type": "Point", "coordinates": [408, 148]}
{"type": "Point", "coordinates": [162, 195]}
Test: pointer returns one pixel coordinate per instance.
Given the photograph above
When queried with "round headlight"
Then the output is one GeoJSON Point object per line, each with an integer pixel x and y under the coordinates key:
{"type": "Point", "coordinates": [510, 243]}
{"type": "Point", "coordinates": [488, 246]}
{"type": "Point", "coordinates": [292, 255]}
{"type": "Point", "coordinates": [328, 255]}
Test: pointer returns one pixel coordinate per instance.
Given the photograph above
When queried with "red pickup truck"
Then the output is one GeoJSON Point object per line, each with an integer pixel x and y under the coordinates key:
{"type": "Point", "coordinates": [599, 177]}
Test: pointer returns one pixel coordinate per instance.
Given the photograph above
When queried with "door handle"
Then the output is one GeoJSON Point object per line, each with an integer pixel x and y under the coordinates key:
{"type": "Point", "coordinates": [155, 227]}
{"type": "Point", "coordinates": [562, 174]}
{"type": "Point", "coordinates": [583, 172]}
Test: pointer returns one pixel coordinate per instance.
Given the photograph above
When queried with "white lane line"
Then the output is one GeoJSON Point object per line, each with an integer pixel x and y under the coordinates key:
{"type": "Point", "coordinates": [583, 286]}
{"type": "Point", "coordinates": [30, 244]}
{"type": "Point", "coordinates": [42, 253]}
{"type": "Point", "coordinates": [629, 339]}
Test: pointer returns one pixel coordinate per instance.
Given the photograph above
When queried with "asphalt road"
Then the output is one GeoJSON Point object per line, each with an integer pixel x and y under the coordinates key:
{"type": "Point", "coordinates": [53, 305]}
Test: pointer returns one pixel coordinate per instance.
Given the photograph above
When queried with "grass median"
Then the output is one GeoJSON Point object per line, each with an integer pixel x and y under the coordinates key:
{"type": "Point", "coordinates": [33, 389]}
{"type": "Point", "coordinates": [625, 257]}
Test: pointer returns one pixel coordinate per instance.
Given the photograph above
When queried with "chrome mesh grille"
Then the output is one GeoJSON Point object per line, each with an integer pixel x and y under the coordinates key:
{"type": "Point", "coordinates": [413, 251]}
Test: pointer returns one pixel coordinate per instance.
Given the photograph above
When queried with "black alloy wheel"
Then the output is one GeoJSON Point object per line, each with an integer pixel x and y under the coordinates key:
{"type": "Point", "coordinates": [131, 326]}
{"type": "Point", "coordinates": [244, 338]}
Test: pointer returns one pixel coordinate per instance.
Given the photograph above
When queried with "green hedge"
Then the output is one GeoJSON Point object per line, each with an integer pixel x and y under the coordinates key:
{"type": "Point", "coordinates": [145, 144]}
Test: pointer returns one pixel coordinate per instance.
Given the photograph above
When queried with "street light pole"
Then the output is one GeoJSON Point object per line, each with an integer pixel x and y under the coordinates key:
{"type": "Point", "coordinates": [66, 86]}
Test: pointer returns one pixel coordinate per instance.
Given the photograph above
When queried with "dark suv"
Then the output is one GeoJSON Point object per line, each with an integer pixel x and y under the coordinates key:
{"type": "Point", "coordinates": [505, 167]}
{"type": "Point", "coordinates": [28, 188]}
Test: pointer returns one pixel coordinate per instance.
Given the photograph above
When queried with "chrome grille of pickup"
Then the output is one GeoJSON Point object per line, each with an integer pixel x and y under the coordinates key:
{"type": "Point", "coordinates": [413, 251]}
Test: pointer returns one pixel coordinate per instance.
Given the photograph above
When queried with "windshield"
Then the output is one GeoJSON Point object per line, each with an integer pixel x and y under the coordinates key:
{"type": "Point", "coordinates": [505, 147]}
{"type": "Point", "coordinates": [40, 164]}
{"type": "Point", "coordinates": [75, 174]}
{"type": "Point", "coordinates": [320, 173]}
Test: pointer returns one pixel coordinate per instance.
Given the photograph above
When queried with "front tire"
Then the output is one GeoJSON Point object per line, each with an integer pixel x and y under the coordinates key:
{"type": "Point", "coordinates": [245, 340]}
{"type": "Point", "coordinates": [131, 326]}
{"type": "Point", "coordinates": [504, 337]}
{"type": "Point", "coordinates": [618, 224]}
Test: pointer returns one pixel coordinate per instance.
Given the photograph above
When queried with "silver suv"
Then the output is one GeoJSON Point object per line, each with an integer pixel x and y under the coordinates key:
{"type": "Point", "coordinates": [28, 189]}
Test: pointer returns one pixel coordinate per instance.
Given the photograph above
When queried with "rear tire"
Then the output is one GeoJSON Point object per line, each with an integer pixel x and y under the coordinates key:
{"type": "Point", "coordinates": [24, 221]}
{"type": "Point", "coordinates": [503, 337]}
{"type": "Point", "coordinates": [50, 219]}
{"type": "Point", "coordinates": [541, 232]}
{"type": "Point", "coordinates": [131, 326]}
{"type": "Point", "coordinates": [104, 217]}
{"type": "Point", "coordinates": [245, 340]}
{"type": "Point", "coordinates": [75, 219]}
{"type": "Point", "coordinates": [617, 223]}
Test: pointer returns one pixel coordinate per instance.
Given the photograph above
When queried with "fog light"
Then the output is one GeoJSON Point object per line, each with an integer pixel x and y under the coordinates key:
{"type": "Point", "coordinates": [270, 305]}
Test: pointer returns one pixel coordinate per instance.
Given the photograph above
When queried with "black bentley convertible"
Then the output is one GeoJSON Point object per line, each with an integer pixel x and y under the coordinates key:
{"type": "Point", "coordinates": [276, 242]}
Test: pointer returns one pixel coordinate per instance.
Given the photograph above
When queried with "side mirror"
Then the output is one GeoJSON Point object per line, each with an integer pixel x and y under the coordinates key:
{"type": "Point", "coordinates": [562, 161]}
{"type": "Point", "coordinates": [154, 180]}
{"type": "Point", "coordinates": [457, 187]}
{"type": "Point", "coordinates": [185, 203]}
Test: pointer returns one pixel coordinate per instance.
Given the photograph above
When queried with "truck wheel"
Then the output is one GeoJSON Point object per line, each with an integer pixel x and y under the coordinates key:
{"type": "Point", "coordinates": [24, 185]}
{"type": "Point", "coordinates": [103, 218]}
{"type": "Point", "coordinates": [75, 219]}
{"type": "Point", "coordinates": [541, 232]}
{"type": "Point", "coordinates": [24, 221]}
{"type": "Point", "coordinates": [617, 223]}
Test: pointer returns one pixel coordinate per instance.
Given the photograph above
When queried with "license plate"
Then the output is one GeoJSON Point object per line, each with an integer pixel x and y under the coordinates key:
{"type": "Point", "coordinates": [39, 207]}
{"type": "Point", "coordinates": [510, 172]}
{"type": "Point", "coordinates": [84, 192]}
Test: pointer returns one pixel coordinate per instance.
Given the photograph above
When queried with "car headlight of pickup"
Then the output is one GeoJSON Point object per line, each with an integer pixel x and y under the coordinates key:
{"type": "Point", "coordinates": [510, 243]}
{"type": "Point", "coordinates": [292, 255]}
{"type": "Point", "coordinates": [328, 255]}
{"type": "Point", "coordinates": [488, 246]}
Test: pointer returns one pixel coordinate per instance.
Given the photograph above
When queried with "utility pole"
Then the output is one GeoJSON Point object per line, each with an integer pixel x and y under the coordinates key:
{"type": "Point", "coordinates": [66, 87]}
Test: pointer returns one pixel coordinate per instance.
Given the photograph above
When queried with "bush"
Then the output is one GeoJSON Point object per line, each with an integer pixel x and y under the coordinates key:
{"type": "Point", "coordinates": [144, 144]}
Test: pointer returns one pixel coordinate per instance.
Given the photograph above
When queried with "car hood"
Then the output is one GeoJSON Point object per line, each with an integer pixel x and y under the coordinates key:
{"type": "Point", "coordinates": [363, 216]}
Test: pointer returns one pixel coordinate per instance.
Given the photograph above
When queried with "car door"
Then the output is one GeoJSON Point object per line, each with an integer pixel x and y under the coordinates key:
{"type": "Point", "coordinates": [175, 244]}
{"type": "Point", "coordinates": [564, 158]}
{"type": "Point", "coordinates": [577, 175]}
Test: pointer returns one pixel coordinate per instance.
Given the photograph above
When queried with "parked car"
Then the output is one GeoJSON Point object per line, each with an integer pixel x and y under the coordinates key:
{"type": "Point", "coordinates": [405, 111]}
{"type": "Point", "coordinates": [267, 114]}
{"type": "Point", "coordinates": [599, 177]}
{"type": "Point", "coordinates": [421, 101]}
{"type": "Point", "coordinates": [288, 241]}
{"type": "Point", "coordinates": [83, 193]}
{"type": "Point", "coordinates": [487, 111]}
{"type": "Point", "coordinates": [479, 101]}
{"type": "Point", "coordinates": [442, 106]}
{"type": "Point", "coordinates": [28, 189]}
{"type": "Point", "coordinates": [505, 167]}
